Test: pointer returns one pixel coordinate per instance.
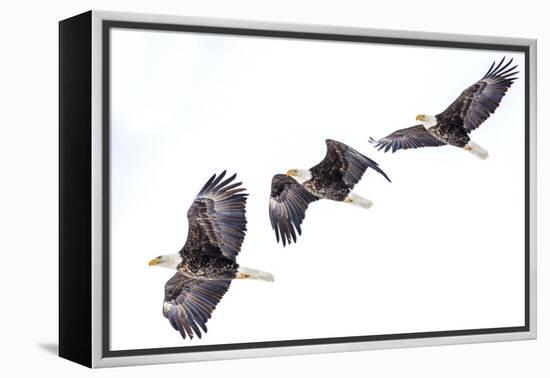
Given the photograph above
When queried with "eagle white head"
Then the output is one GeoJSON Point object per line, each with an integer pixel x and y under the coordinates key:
{"type": "Point", "coordinates": [300, 175]}
{"type": "Point", "coordinates": [167, 261]}
{"type": "Point", "coordinates": [427, 120]}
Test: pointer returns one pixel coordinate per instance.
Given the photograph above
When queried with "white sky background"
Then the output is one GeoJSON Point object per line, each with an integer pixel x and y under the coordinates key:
{"type": "Point", "coordinates": [442, 248]}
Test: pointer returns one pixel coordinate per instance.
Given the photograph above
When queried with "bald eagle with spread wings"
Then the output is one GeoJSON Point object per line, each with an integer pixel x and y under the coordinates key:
{"type": "Point", "coordinates": [207, 263]}
{"type": "Point", "coordinates": [333, 178]}
{"type": "Point", "coordinates": [453, 126]}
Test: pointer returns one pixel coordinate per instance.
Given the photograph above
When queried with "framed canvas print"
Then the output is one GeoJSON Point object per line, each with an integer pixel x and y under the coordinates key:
{"type": "Point", "coordinates": [235, 189]}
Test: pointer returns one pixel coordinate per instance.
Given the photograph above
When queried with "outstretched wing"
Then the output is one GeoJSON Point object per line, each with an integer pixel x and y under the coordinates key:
{"type": "Point", "coordinates": [189, 303]}
{"type": "Point", "coordinates": [287, 207]}
{"type": "Point", "coordinates": [477, 102]}
{"type": "Point", "coordinates": [217, 220]}
{"type": "Point", "coordinates": [343, 161]}
{"type": "Point", "coordinates": [411, 137]}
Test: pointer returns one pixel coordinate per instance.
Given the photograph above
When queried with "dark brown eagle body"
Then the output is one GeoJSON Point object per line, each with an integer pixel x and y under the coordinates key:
{"type": "Point", "coordinates": [207, 266]}
{"type": "Point", "coordinates": [449, 131]}
{"type": "Point", "coordinates": [326, 188]}
{"type": "Point", "coordinates": [474, 106]}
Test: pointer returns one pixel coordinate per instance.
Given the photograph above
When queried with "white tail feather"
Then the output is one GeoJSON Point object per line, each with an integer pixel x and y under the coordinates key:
{"type": "Point", "coordinates": [477, 150]}
{"type": "Point", "coordinates": [254, 274]}
{"type": "Point", "coordinates": [357, 200]}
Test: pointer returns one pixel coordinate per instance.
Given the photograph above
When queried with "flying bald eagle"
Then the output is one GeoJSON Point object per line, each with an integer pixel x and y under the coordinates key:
{"type": "Point", "coordinates": [206, 263]}
{"type": "Point", "coordinates": [465, 114]}
{"type": "Point", "coordinates": [333, 178]}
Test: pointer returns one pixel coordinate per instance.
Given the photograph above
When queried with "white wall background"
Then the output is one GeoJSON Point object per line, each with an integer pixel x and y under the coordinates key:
{"type": "Point", "coordinates": [29, 187]}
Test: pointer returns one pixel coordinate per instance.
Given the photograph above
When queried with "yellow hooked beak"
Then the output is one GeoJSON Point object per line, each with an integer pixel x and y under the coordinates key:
{"type": "Point", "coordinates": [291, 172]}
{"type": "Point", "coordinates": [421, 117]}
{"type": "Point", "coordinates": [155, 261]}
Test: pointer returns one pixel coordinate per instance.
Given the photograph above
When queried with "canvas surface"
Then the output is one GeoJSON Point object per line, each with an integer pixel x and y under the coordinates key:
{"type": "Point", "coordinates": [441, 249]}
